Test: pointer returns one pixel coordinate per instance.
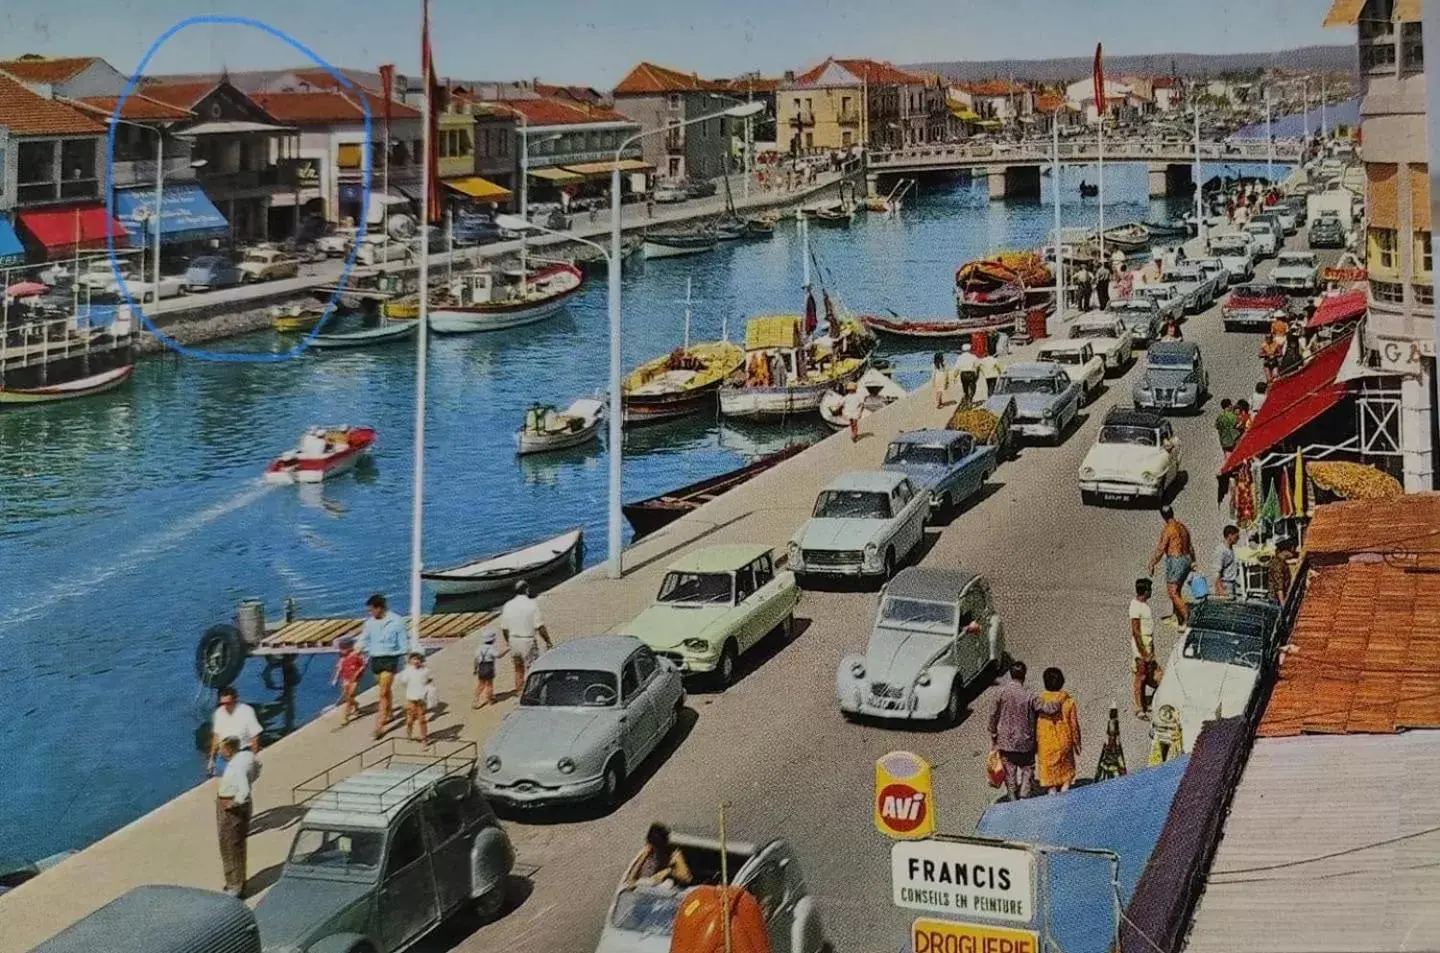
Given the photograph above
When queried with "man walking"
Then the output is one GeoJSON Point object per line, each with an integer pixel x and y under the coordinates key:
{"type": "Point", "coordinates": [990, 369]}
{"type": "Point", "coordinates": [384, 641]}
{"type": "Point", "coordinates": [1012, 730]}
{"type": "Point", "coordinates": [520, 623]}
{"type": "Point", "coordinates": [1146, 670]}
{"type": "Point", "coordinates": [1227, 426]}
{"type": "Point", "coordinates": [967, 365]}
{"type": "Point", "coordinates": [1176, 548]}
{"type": "Point", "coordinates": [233, 808]}
{"type": "Point", "coordinates": [1082, 288]}
{"type": "Point", "coordinates": [233, 719]}
{"type": "Point", "coordinates": [1102, 287]}
{"type": "Point", "coordinates": [1227, 568]}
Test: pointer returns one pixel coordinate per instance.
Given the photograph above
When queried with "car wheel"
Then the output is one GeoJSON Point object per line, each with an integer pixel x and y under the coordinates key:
{"type": "Point", "coordinates": [614, 783]}
{"type": "Point", "coordinates": [725, 668]}
{"type": "Point", "coordinates": [946, 505]}
{"type": "Point", "coordinates": [953, 710]}
{"type": "Point", "coordinates": [1088, 498]}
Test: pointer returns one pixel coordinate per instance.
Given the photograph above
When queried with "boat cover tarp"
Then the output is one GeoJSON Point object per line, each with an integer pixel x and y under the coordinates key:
{"type": "Point", "coordinates": [1021, 268]}
{"type": "Point", "coordinates": [776, 330]}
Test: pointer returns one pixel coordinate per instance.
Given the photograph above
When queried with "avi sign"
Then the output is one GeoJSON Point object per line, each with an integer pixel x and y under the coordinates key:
{"type": "Point", "coordinates": [904, 796]}
{"type": "Point", "coordinates": [965, 878]}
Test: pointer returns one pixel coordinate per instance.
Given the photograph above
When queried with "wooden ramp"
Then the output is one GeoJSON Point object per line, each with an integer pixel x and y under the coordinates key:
{"type": "Point", "coordinates": [319, 635]}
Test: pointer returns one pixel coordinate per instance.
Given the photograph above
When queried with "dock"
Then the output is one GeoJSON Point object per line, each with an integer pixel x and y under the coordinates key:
{"type": "Point", "coordinates": [318, 636]}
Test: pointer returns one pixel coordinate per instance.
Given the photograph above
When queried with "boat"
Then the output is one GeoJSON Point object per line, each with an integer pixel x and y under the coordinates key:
{"type": "Point", "coordinates": [406, 308]}
{"type": "Point", "coordinates": [761, 226]}
{"type": "Point", "coordinates": [648, 516]}
{"type": "Point", "coordinates": [902, 327]}
{"type": "Point", "coordinates": [476, 301]}
{"type": "Point", "coordinates": [1089, 191]}
{"type": "Point", "coordinates": [731, 230]}
{"type": "Point", "coordinates": [1167, 229]}
{"type": "Point", "coordinates": [837, 214]}
{"type": "Point", "coordinates": [502, 571]}
{"type": "Point", "coordinates": [679, 383]}
{"type": "Point", "coordinates": [784, 374]}
{"type": "Point", "coordinates": [879, 390]}
{"type": "Point", "coordinates": [294, 318]}
{"type": "Point", "coordinates": [1003, 283]}
{"type": "Point", "coordinates": [677, 244]}
{"type": "Point", "coordinates": [80, 387]}
{"type": "Point", "coordinates": [324, 452]}
{"type": "Point", "coordinates": [1130, 237]}
{"type": "Point", "coordinates": [889, 203]}
{"type": "Point", "coordinates": [547, 429]}
{"type": "Point", "coordinates": [384, 334]}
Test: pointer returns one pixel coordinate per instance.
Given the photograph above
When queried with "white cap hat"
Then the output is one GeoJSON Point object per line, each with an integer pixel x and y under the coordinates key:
{"type": "Point", "coordinates": [964, 347]}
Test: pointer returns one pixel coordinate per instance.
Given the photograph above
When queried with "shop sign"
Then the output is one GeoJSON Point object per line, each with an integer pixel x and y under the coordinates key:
{"type": "Point", "coordinates": [1343, 275]}
{"type": "Point", "coordinates": [965, 877]}
{"type": "Point", "coordinates": [904, 796]}
{"type": "Point", "coordinates": [944, 936]}
{"type": "Point", "coordinates": [1404, 357]}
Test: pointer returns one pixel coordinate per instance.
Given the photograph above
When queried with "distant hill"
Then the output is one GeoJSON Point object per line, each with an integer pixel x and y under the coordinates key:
{"type": "Point", "coordinates": [1330, 59]}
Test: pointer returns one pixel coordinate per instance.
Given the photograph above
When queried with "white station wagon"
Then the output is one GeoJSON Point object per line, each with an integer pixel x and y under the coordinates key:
{"type": "Point", "coordinates": [1080, 363]}
{"type": "Point", "coordinates": [866, 524]}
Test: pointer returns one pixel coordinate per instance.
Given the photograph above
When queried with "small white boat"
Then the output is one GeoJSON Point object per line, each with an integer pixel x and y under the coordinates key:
{"type": "Point", "coordinates": [324, 452]}
{"type": "Point", "coordinates": [506, 569]}
{"type": "Point", "coordinates": [80, 387]}
{"type": "Point", "coordinates": [477, 302]}
{"type": "Point", "coordinates": [547, 429]}
{"type": "Point", "coordinates": [880, 391]}
{"type": "Point", "coordinates": [677, 244]}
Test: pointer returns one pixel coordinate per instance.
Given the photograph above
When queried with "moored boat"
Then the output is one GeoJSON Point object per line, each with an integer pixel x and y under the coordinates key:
{"type": "Point", "coordinates": [477, 301]}
{"type": "Point", "coordinates": [526, 563]}
{"type": "Point", "coordinates": [832, 214]}
{"type": "Point", "coordinates": [762, 225]}
{"type": "Point", "coordinates": [1129, 237]}
{"type": "Point", "coordinates": [1166, 229]}
{"type": "Point", "coordinates": [898, 326]}
{"type": "Point", "coordinates": [406, 308]}
{"type": "Point", "coordinates": [647, 516]}
{"type": "Point", "coordinates": [384, 334]}
{"type": "Point", "coordinates": [324, 452]}
{"type": "Point", "coordinates": [679, 383]}
{"type": "Point", "coordinates": [294, 318]}
{"type": "Point", "coordinates": [547, 429]}
{"type": "Point", "coordinates": [80, 387]}
{"type": "Point", "coordinates": [784, 375]}
{"type": "Point", "coordinates": [678, 244]}
{"type": "Point", "coordinates": [1088, 191]}
{"type": "Point", "coordinates": [1001, 283]}
{"type": "Point", "coordinates": [879, 390]}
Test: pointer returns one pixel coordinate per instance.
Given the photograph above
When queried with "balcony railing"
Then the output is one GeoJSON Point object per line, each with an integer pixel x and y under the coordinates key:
{"type": "Point", "coordinates": [803, 118]}
{"type": "Point", "coordinates": [848, 117]}
{"type": "Point", "coordinates": [674, 142]}
{"type": "Point", "coordinates": [241, 179]}
{"type": "Point", "coordinates": [133, 172]}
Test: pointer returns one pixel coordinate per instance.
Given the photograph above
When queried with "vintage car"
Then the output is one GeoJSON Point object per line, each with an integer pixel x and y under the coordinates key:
{"type": "Point", "coordinates": [1141, 315]}
{"type": "Point", "coordinates": [1264, 237]}
{"type": "Point", "coordinates": [1213, 670]}
{"type": "Point", "coordinates": [714, 604]}
{"type": "Point", "coordinates": [209, 272]}
{"type": "Point", "coordinates": [1136, 456]}
{"type": "Point", "coordinates": [1175, 378]}
{"type": "Point", "coordinates": [1298, 272]}
{"type": "Point", "coordinates": [1047, 401]}
{"type": "Point", "coordinates": [142, 289]}
{"type": "Point", "coordinates": [643, 916]}
{"type": "Point", "coordinates": [1112, 339]}
{"type": "Point", "coordinates": [937, 632]}
{"type": "Point", "coordinates": [1285, 216]}
{"type": "Point", "coordinates": [98, 274]}
{"type": "Point", "coordinates": [1080, 361]}
{"type": "Point", "coordinates": [1234, 252]}
{"type": "Point", "coordinates": [946, 464]}
{"type": "Point", "coordinates": [266, 264]}
{"type": "Point", "coordinates": [592, 711]}
{"type": "Point", "coordinates": [386, 854]}
{"type": "Point", "coordinates": [156, 918]}
{"type": "Point", "coordinates": [336, 244]}
{"type": "Point", "coordinates": [1327, 231]}
{"type": "Point", "coordinates": [1169, 298]}
{"type": "Point", "coordinates": [669, 195]}
{"type": "Point", "coordinates": [1251, 307]}
{"type": "Point", "coordinates": [1194, 285]}
{"type": "Point", "coordinates": [376, 249]}
{"type": "Point", "coordinates": [865, 523]}
{"type": "Point", "coordinates": [1215, 270]}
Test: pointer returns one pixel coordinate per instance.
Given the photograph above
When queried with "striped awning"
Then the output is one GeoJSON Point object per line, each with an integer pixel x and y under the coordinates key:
{"type": "Point", "coordinates": [605, 168]}
{"type": "Point", "coordinates": [478, 188]}
{"type": "Point", "coordinates": [555, 176]}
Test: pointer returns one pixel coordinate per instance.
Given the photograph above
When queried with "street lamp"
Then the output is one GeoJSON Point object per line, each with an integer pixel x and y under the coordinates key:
{"type": "Point", "coordinates": [159, 190]}
{"type": "Point", "coordinates": [524, 172]}
{"type": "Point", "coordinates": [749, 141]}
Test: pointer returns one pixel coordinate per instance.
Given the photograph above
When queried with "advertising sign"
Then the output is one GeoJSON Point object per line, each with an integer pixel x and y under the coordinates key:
{"type": "Point", "coordinates": [943, 936]}
{"type": "Point", "coordinates": [1343, 275]}
{"type": "Point", "coordinates": [965, 878]}
{"type": "Point", "coordinates": [904, 796]}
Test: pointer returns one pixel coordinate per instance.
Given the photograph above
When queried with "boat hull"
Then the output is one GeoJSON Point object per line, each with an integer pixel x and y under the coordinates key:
{"type": "Point", "coordinates": [453, 581]}
{"type": "Point", "coordinates": [449, 320]}
{"type": "Point", "coordinates": [649, 516]}
{"type": "Point", "coordinates": [82, 387]}
{"type": "Point", "coordinates": [659, 249]}
{"type": "Point", "coordinates": [657, 408]}
{"type": "Point", "coordinates": [775, 403]}
{"type": "Point", "coordinates": [330, 342]}
{"type": "Point", "coordinates": [297, 323]}
{"type": "Point", "coordinates": [941, 327]}
{"type": "Point", "coordinates": [318, 470]}
{"type": "Point", "coordinates": [531, 443]}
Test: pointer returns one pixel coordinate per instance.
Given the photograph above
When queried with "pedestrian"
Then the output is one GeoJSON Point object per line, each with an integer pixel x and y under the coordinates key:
{"type": "Point", "coordinates": [232, 719]}
{"type": "Point", "coordinates": [852, 409]}
{"type": "Point", "coordinates": [967, 366]}
{"type": "Point", "coordinates": [1243, 417]}
{"type": "Point", "coordinates": [348, 670]}
{"type": "Point", "coordinates": [1012, 730]}
{"type": "Point", "coordinates": [990, 371]}
{"type": "Point", "coordinates": [234, 807]}
{"type": "Point", "coordinates": [1117, 260]}
{"type": "Point", "coordinates": [1178, 552]}
{"type": "Point", "coordinates": [1146, 670]}
{"type": "Point", "coordinates": [1257, 398]}
{"type": "Point", "coordinates": [1279, 323]}
{"type": "Point", "coordinates": [1002, 344]}
{"type": "Point", "coordinates": [1227, 426]}
{"type": "Point", "coordinates": [486, 656]}
{"type": "Point", "coordinates": [415, 680]}
{"type": "Point", "coordinates": [1227, 567]}
{"type": "Point", "coordinates": [1080, 291]}
{"type": "Point", "coordinates": [1230, 210]}
{"type": "Point", "coordinates": [521, 624]}
{"type": "Point", "coordinates": [1272, 351]}
{"type": "Point", "coordinates": [1172, 331]}
{"type": "Point", "coordinates": [1277, 573]}
{"type": "Point", "coordinates": [650, 207]}
{"type": "Point", "coordinates": [1057, 736]}
{"type": "Point", "coordinates": [939, 380]}
{"type": "Point", "coordinates": [1102, 288]}
{"type": "Point", "coordinates": [384, 642]}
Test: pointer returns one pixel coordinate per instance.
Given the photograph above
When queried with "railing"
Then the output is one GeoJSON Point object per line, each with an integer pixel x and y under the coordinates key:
{"type": "Point", "coordinates": [1123, 150]}
{"type": "Point", "coordinates": [848, 117]}
{"type": "Point", "coordinates": [132, 172]}
{"type": "Point", "coordinates": [803, 118]}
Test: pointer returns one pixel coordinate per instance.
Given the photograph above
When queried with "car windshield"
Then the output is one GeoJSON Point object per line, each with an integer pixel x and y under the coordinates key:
{"type": "Point", "coordinates": [1294, 261]}
{"type": "Point", "coordinates": [1092, 331]}
{"type": "Point", "coordinates": [1140, 306]}
{"type": "Point", "coordinates": [258, 256]}
{"type": "Point", "coordinates": [1257, 291]}
{"type": "Point", "coordinates": [1229, 248]}
{"type": "Point", "coordinates": [1180, 276]}
{"type": "Point", "coordinates": [342, 851]}
{"type": "Point", "coordinates": [705, 588]}
{"type": "Point", "coordinates": [646, 910]}
{"type": "Point", "coordinates": [1170, 360]}
{"type": "Point", "coordinates": [916, 453]}
{"type": "Point", "coordinates": [1025, 385]}
{"type": "Point", "coordinates": [853, 504]}
{"type": "Point", "coordinates": [569, 688]}
{"type": "Point", "coordinates": [922, 614]}
{"type": "Point", "coordinates": [1227, 648]}
{"type": "Point", "coordinates": [1136, 436]}
{"type": "Point", "coordinates": [1158, 294]}
{"type": "Point", "coordinates": [1258, 228]}
{"type": "Point", "coordinates": [1062, 357]}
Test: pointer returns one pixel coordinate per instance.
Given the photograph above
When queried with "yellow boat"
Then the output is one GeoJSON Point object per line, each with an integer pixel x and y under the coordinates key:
{"type": "Point", "coordinates": [402, 309]}
{"type": "Point", "coordinates": [679, 383]}
{"type": "Point", "coordinates": [293, 318]}
{"type": "Point", "coordinates": [785, 374]}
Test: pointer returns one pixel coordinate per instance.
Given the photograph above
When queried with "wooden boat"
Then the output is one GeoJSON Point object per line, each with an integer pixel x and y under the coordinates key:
{"type": "Point", "coordinates": [647, 516]}
{"type": "Point", "coordinates": [1001, 283]}
{"type": "Point", "coordinates": [879, 389]}
{"type": "Point", "coordinates": [324, 452]}
{"type": "Point", "coordinates": [406, 308]}
{"type": "Point", "coordinates": [294, 318]}
{"type": "Point", "coordinates": [760, 227]}
{"type": "Point", "coordinates": [384, 334]}
{"type": "Point", "coordinates": [1130, 237]}
{"type": "Point", "coordinates": [898, 326]}
{"type": "Point", "coordinates": [80, 387]}
{"type": "Point", "coordinates": [731, 230]}
{"type": "Point", "coordinates": [679, 383]}
{"type": "Point", "coordinates": [833, 215]}
{"type": "Point", "coordinates": [677, 244]}
{"type": "Point", "coordinates": [546, 429]}
{"type": "Point", "coordinates": [1166, 229]}
{"type": "Point", "coordinates": [477, 301]}
{"type": "Point", "coordinates": [505, 569]}
{"type": "Point", "coordinates": [784, 375]}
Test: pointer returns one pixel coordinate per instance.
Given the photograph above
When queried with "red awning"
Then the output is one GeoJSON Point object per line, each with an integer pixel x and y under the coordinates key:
{"type": "Point", "coordinates": [1341, 307]}
{"type": "Point", "coordinates": [1293, 401]}
{"type": "Point", "coordinates": [59, 228]}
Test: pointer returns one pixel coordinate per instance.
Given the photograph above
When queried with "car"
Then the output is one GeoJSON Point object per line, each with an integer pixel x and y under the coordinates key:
{"type": "Point", "coordinates": [1080, 361]}
{"type": "Point", "coordinates": [375, 249]}
{"type": "Point", "coordinates": [1215, 667]}
{"type": "Point", "coordinates": [1215, 270]}
{"type": "Point", "coordinates": [1175, 378]}
{"type": "Point", "coordinates": [1235, 253]}
{"type": "Point", "coordinates": [1327, 231]}
{"type": "Point", "coordinates": [143, 289]}
{"type": "Point", "coordinates": [716, 603]}
{"type": "Point", "coordinates": [209, 272]}
{"type": "Point", "coordinates": [99, 274]}
{"type": "Point", "coordinates": [1136, 456]}
{"type": "Point", "coordinates": [336, 244]}
{"type": "Point", "coordinates": [1266, 238]}
{"type": "Point", "coordinates": [1298, 272]}
{"type": "Point", "coordinates": [699, 188]}
{"type": "Point", "coordinates": [669, 194]}
{"type": "Point", "coordinates": [1251, 307]}
{"type": "Point", "coordinates": [1168, 297]}
{"type": "Point", "coordinates": [1285, 214]}
{"type": "Point", "coordinates": [936, 634]}
{"type": "Point", "coordinates": [642, 916]}
{"type": "Point", "coordinates": [385, 855]}
{"type": "Point", "coordinates": [865, 524]}
{"type": "Point", "coordinates": [948, 465]}
{"type": "Point", "coordinates": [1047, 401]}
{"type": "Point", "coordinates": [592, 711]}
{"type": "Point", "coordinates": [1140, 315]}
{"type": "Point", "coordinates": [475, 228]}
{"type": "Point", "coordinates": [267, 264]}
{"type": "Point", "coordinates": [1111, 338]}
{"type": "Point", "coordinates": [162, 918]}
{"type": "Point", "coordinates": [1197, 288]}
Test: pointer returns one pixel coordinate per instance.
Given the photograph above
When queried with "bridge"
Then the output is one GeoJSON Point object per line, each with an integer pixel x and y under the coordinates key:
{"type": "Point", "coordinates": [1014, 168]}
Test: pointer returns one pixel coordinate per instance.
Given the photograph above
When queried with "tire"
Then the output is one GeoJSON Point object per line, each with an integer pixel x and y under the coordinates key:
{"type": "Point", "coordinates": [946, 507]}
{"type": "Point", "coordinates": [725, 668]}
{"type": "Point", "coordinates": [614, 785]}
{"type": "Point", "coordinates": [952, 713]}
{"type": "Point", "coordinates": [220, 656]}
{"type": "Point", "coordinates": [786, 628]}
{"type": "Point", "coordinates": [1088, 499]}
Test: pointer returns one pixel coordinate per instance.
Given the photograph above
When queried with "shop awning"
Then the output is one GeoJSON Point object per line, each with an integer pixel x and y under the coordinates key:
{"type": "Point", "coordinates": [965, 115]}
{"type": "Point", "coordinates": [61, 229]}
{"type": "Point", "coordinates": [555, 176]}
{"type": "Point", "coordinates": [1341, 307]}
{"type": "Point", "coordinates": [12, 253]}
{"type": "Point", "coordinates": [186, 214]}
{"type": "Point", "coordinates": [1292, 402]}
{"type": "Point", "coordinates": [480, 189]}
{"type": "Point", "coordinates": [605, 168]}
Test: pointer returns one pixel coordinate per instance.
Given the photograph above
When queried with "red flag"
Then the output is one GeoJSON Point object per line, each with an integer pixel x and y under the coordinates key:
{"type": "Point", "coordinates": [810, 321]}
{"type": "Point", "coordinates": [1099, 83]}
{"type": "Point", "coordinates": [433, 212]}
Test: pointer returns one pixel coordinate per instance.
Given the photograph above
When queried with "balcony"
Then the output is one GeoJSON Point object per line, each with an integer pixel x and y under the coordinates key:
{"type": "Point", "coordinates": [40, 193]}
{"type": "Point", "coordinates": [128, 173]}
{"type": "Point", "coordinates": [848, 117]}
{"type": "Point", "coordinates": [218, 183]}
{"type": "Point", "coordinates": [675, 143]}
{"type": "Point", "coordinates": [804, 117]}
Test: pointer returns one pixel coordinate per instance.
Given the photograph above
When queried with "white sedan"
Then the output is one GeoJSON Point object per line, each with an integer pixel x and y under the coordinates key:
{"type": "Point", "coordinates": [1079, 361]}
{"type": "Point", "coordinates": [143, 289]}
{"type": "Point", "coordinates": [1135, 457]}
{"type": "Point", "coordinates": [1112, 338]}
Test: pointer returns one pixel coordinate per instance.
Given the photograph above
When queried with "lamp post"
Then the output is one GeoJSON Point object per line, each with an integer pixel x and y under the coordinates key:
{"type": "Point", "coordinates": [155, 216]}
{"type": "Point", "coordinates": [748, 142]}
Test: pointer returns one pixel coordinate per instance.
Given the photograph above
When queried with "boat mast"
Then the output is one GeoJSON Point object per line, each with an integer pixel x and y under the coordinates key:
{"type": "Point", "coordinates": [687, 314]}
{"type": "Point", "coordinates": [417, 509]}
{"type": "Point", "coordinates": [1059, 234]}
{"type": "Point", "coordinates": [1100, 156]}
{"type": "Point", "coordinates": [805, 252]}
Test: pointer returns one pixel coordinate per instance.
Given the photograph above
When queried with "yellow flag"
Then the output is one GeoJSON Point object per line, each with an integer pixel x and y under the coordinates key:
{"type": "Point", "coordinates": [1301, 501]}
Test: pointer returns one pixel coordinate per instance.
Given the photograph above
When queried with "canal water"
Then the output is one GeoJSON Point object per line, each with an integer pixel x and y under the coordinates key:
{"type": "Point", "coordinates": [131, 522]}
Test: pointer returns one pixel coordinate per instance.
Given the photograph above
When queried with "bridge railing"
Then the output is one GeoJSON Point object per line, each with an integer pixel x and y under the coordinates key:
{"type": "Point", "coordinates": [1159, 150]}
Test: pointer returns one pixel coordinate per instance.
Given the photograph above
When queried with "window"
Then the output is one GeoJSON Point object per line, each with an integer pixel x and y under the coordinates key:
{"type": "Point", "coordinates": [407, 845]}
{"type": "Point", "coordinates": [745, 583]}
{"type": "Point", "coordinates": [676, 101]}
{"type": "Point", "coordinates": [1389, 292]}
{"type": "Point", "coordinates": [1423, 292]}
{"type": "Point", "coordinates": [1412, 47]}
{"type": "Point", "coordinates": [484, 144]}
{"type": "Point", "coordinates": [764, 570]}
{"type": "Point", "coordinates": [446, 810]}
{"type": "Point", "coordinates": [645, 664]}
{"type": "Point", "coordinates": [846, 138]}
{"type": "Point", "coordinates": [1383, 248]}
{"type": "Point", "coordinates": [629, 682]}
{"type": "Point", "coordinates": [36, 161]}
{"type": "Point", "coordinates": [503, 137]}
{"type": "Point", "coordinates": [1424, 263]}
{"type": "Point", "coordinates": [1377, 57]}
{"type": "Point", "coordinates": [348, 155]}
{"type": "Point", "coordinates": [809, 140]}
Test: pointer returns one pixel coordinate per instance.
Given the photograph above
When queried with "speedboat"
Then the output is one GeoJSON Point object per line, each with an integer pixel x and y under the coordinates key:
{"type": "Point", "coordinates": [324, 452]}
{"type": "Point", "coordinates": [546, 428]}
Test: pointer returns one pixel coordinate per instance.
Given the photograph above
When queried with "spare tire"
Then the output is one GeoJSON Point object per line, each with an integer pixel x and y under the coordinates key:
{"type": "Point", "coordinates": [220, 656]}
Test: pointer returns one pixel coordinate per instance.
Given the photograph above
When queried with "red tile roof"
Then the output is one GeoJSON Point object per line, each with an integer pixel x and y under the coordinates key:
{"type": "Point", "coordinates": [184, 95]}
{"type": "Point", "coordinates": [581, 94]}
{"type": "Point", "coordinates": [137, 106]}
{"type": "Point", "coordinates": [27, 113]}
{"type": "Point", "coordinates": [47, 70]}
{"type": "Point", "coordinates": [751, 84]}
{"type": "Point", "coordinates": [328, 106]}
{"type": "Point", "coordinates": [1049, 102]}
{"type": "Point", "coordinates": [647, 79]}
{"type": "Point", "coordinates": [1400, 528]}
{"type": "Point", "coordinates": [994, 87]}
{"type": "Point", "coordinates": [558, 112]}
{"type": "Point", "coordinates": [871, 71]}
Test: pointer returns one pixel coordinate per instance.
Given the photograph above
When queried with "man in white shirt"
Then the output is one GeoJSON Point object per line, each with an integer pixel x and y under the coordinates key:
{"type": "Point", "coordinates": [233, 719]}
{"type": "Point", "coordinates": [967, 365]}
{"type": "Point", "coordinates": [233, 809]}
{"type": "Point", "coordinates": [990, 370]}
{"type": "Point", "coordinates": [853, 409]}
{"type": "Point", "coordinates": [1142, 647]}
{"type": "Point", "coordinates": [520, 622]}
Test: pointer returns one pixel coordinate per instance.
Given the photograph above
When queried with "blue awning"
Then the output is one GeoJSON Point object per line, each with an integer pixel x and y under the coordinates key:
{"type": "Point", "coordinates": [187, 214]}
{"type": "Point", "coordinates": [12, 252]}
{"type": "Point", "coordinates": [1124, 815]}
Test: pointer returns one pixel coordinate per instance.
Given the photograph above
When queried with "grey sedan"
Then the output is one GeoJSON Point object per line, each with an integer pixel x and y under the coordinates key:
{"type": "Point", "coordinates": [1175, 378]}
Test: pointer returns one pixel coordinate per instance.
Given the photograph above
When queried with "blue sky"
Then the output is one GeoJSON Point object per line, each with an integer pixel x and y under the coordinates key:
{"type": "Point", "coordinates": [595, 41]}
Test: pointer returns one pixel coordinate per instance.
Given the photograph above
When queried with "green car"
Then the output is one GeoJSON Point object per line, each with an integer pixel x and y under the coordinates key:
{"type": "Point", "coordinates": [714, 604]}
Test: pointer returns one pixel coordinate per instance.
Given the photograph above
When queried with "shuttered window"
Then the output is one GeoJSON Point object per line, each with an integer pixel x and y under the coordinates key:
{"type": "Point", "coordinates": [348, 156]}
{"type": "Point", "coordinates": [1420, 198]}
{"type": "Point", "coordinates": [1383, 251]}
{"type": "Point", "coordinates": [1381, 200]}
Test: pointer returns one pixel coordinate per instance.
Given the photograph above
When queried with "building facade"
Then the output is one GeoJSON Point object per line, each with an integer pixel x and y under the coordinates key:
{"type": "Point", "coordinates": [656, 97]}
{"type": "Point", "coordinates": [571, 148]}
{"type": "Point", "coordinates": [838, 104]}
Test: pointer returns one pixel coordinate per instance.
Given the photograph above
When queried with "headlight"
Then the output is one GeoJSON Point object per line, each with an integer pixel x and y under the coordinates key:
{"type": "Point", "coordinates": [1144, 387]}
{"type": "Point", "coordinates": [794, 549]}
{"type": "Point", "coordinates": [1147, 476]}
{"type": "Point", "coordinates": [492, 763]}
{"type": "Point", "coordinates": [870, 551]}
{"type": "Point", "coordinates": [1047, 414]}
{"type": "Point", "coordinates": [923, 680]}
{"type": "Point", "coordinates": [857, 669]}
{"type": "Point", "coordinates": [1087, 472]}
{"type": "Point", "coordinates": [565, 766]}
{"type": "Point", "coordinates": [696, 645]}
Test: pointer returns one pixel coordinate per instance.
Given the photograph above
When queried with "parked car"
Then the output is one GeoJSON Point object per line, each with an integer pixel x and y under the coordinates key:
{"type": "Point", "coordinates": [1175, 378]}
{"type": "Point", "coordinates": [375, 249]}
{"type": "Point", "coordinates": [475, 228]}
{"type": "Point", "coordinates": [1169, 299]}
{"type": "Point", "coordinates": [267, 264]}
{"type": "Point", "coordinates": [1214, 669]}
{"type": "Point", "coordinates": [1266, 239]}
{"type": "Point", "coordinates": [1112, 340]}
{"type": "Point", "coordinates": [1327, 231]}
{"type": "Point", "coordinates": [384, 856]}
{"type": "Point", "coordinates": [669, 194]}
{"type": "Point", "coordinates": [1251, 307]}
{"type": "Point", "coordinates": [936, 634]}
{"type": "Point", "coordinates": [336, 244]}
{"type": "Point", "coordinates": [1141, 317]}
{"type": "Point", "coordinates": [1285, 215]}
{"type": "Point", "coordinates": [642, 916]}
{"type": "Point", "coordinates": [1298, 272]}
{"type": "Point", "coordinates": [162, 919]}
{"type": "Point", "coordinates": [142, 289]}
{"type": "Point", "coordinates": [714, 604]}
{"type": "Point", "coordinates": [1215, 270]}
{"type": "Point", "coordinates": [1136, 456]}
{"type": "Point", "coordinates": [592, 711]}
{"type": "Point", "coordinates": [98, 274]}
{"type": "Point", "coordinates": [948, 465]}
{"type": "Point", "coordinates": [1197, 288]}
{"type": "Point", "coordinates": [1047, 401]}
{"type": "Point", "coordinates": [866, 523]}
{"type": "Point", "coordinates": [1080, 361]}
{"type": "Point", "coordinates": [698, 188]}
{"type": "Point", "coordinates": [1234, 252]}
{"type": "Point", "coordinates": [209, 272]}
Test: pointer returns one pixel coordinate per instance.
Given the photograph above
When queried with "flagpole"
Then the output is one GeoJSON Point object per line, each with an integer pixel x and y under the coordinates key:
{"type": "Point", "coordinates": [1059, 240]}
{"type": "Point", "coordinates": [1100, 155]}
{"type": "Point", "coordinates": [417, 511]}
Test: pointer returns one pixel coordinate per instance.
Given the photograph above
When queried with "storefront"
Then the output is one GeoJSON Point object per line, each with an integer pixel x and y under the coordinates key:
{"type": "Point", "coordinates": [61, 232]}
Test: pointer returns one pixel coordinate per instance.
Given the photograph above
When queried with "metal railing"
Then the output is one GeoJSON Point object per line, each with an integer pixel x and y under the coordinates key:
{"type": "Point", "coordinates": [1120, 150]}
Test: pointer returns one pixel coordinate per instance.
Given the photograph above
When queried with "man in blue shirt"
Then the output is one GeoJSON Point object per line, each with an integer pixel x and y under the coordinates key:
{"type": "Point", "coordinates": [384, 641]}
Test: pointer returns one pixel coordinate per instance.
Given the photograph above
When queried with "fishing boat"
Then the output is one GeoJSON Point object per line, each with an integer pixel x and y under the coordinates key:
{"type": "Point", "coordinates": [384, 334]}
{"type": "Point", "coordinates": [501, 571]}
{"type": "Point", "coordinates": [879, 390]}
{"type": "Point", "coordinates": [294, 318]}
{"type": "Point", "coordinates": [547, 429]}
{"type": "Point", "coordinates": [902, 327]}
{"type": "Point", "coordinates": [324, 452]}
{"type": "Point", "coordinates": [731, 230]}
{"type": "Point", "coordinates": [679, 383]}
{"type": "Point", "coordinates": [1129, 237]}
{"type": "Point", "coordinates": [678, 244]}
{"type": "Point", "coordinates": [477, 301]}
{"type": "Point", "coordinates": [784, 374]}
{"type": "Point", "coordinates": [80, 387]}
{"type": "Point", "coordinates": [648, 516]}
{"type": "Point", "coordinates": [401, 309]}
{"type": "Point", "coordinates": [837, 214]}
{"type": "Point", "coordinates": [1003, 283]}
{"type": "Point", "coordinates": [762, 226]}
{"type": "Point", "coordinates": [1162, 230]}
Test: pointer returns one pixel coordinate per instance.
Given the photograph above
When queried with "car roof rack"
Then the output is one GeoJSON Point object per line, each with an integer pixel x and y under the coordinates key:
{"type": "Point", "coordinates": [384, 776]}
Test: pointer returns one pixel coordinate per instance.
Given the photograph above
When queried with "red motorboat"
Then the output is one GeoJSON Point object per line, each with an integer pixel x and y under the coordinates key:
{"type": "Point", "coordinates": [324, 452]}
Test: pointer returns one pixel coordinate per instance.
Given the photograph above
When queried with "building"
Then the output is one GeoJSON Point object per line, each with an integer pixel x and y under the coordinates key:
{"type": "Point", "coordinates": [1123, 102]}
{"type": "Point", "coordinates": [841, 103]}
{"type": "Point", "coordinates": [1168, 93]}
{"type": "Point", "coordinates": [754, 87]}
{"type": "Point", "coordinates": [572, 147]}
{"type": "Point", "coordinates": [1399, 332]}
{"type": "Point", "coordinates": [1001, 101]}
{"type": "Point", "coordinates": [656, 97]}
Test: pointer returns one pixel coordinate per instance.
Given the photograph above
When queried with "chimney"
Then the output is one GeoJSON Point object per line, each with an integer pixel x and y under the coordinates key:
{"type": "Point", "coordinates": [789, 76]}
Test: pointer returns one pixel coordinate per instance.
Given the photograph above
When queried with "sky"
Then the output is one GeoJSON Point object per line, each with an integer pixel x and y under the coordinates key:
{"type": "Point", "coordinates": [595, 42]}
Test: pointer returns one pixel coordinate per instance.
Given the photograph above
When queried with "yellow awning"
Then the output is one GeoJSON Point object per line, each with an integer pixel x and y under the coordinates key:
{"type": "Point", "coordinates": [965, 115]}
{"type": "Point", "coordinates": [1407, 11]}
{"type": "Point", "coordinates": [1344, 13]}
{"type": "Point", "coordinates": [555, 176]}
{"type": "Point", "coordinates": [774, 330]}
{"type": "Point", "coordinates": [604, 168]}
{"type": "Point", "coordinates": [990, 124]}
{"type": "Point", "coordinates": [478, 188]}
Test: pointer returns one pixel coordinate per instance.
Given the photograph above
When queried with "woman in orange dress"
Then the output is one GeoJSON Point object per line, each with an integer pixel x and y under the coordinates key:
{"type": "Point", "coordinates": [1057, 736]}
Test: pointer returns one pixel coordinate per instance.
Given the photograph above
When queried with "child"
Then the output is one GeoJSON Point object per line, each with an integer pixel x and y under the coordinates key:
{"type": "Point", "coordinates": [415, 679]}
{"type": "Point", "coordinates": [347, 675]}
{"type": "Point", "coordinates": [939, 380]}
{"type": "Point", "coordinates": [485, 658]}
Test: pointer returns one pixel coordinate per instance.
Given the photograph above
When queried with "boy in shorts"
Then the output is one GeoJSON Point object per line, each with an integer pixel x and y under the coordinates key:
{"type": "Point", "coordinates": [415, 680]}
{"type": "Point", "coordinates": [486, 656]}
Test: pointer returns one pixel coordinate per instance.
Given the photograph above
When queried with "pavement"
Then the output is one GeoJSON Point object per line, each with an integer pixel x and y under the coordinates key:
{"type": "Point", "coordinates": [773, 747]}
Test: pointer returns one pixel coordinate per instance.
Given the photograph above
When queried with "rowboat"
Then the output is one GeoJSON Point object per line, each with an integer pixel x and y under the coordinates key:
{"type": "Point", "coordinates": [80, 387]}
{"type": "Point", "coordinates": [1002, 283]}
{"type": "Point", "coordinates": [679, 383]}
{"type": "Point", "coordinates": [678, 244]}
{"type": "Point", "coordinates": [1129, 237]}
{"type": "Point", "coordinates": [1089, 191]}
{"type": "Point", "coordinates": [324, 452]}
{"type": "Point", "coordinates": [384, 334]}
{"type": "Point", "coordinates": [504, 570]}
{"type": "Point", "coordinates": [650, 515]}
{"type": "Point", "coordinates": [476, 301]}
{"type": "Point", "coordinates": [942, 327]}
{"type": "Point", "coordinates": [294, 318]}
{"type": "Point", "coordinates": [833, 215]}
{"type": "Point", "coordinates": [1166, 229]}
{"type": "Point", "coordinates": [762, 225]}
{"type": "Point", "coordinates": [879, 390]}
{"type": "Point", "coordinates": [546, 429]}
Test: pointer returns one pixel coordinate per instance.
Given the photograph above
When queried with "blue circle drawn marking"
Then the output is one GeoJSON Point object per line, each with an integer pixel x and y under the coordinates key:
{"type": "Point", "coordinates": [130, 87]}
